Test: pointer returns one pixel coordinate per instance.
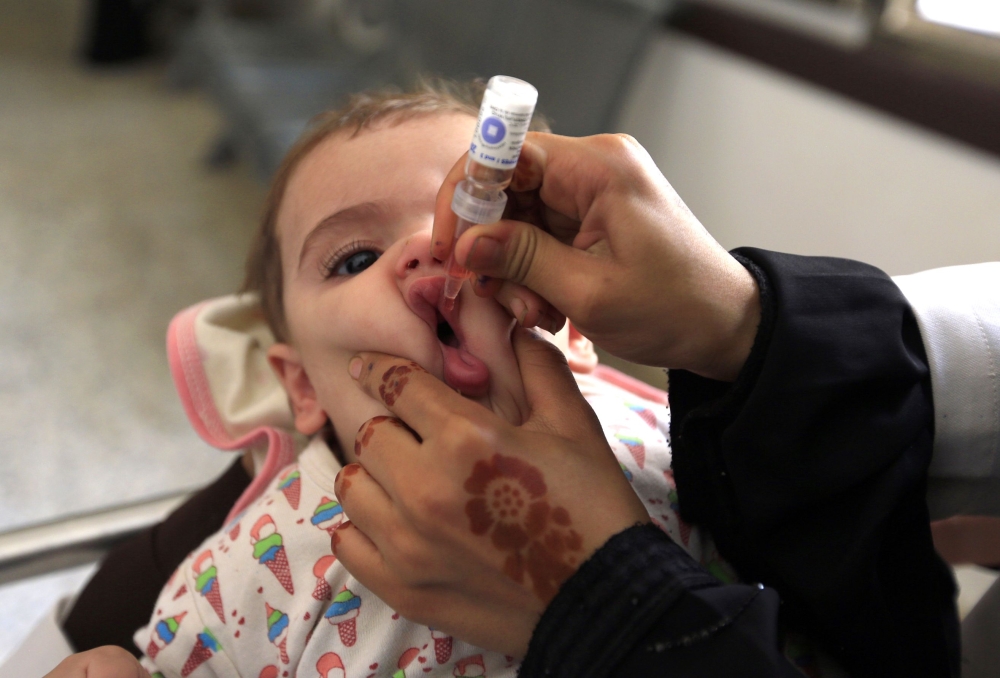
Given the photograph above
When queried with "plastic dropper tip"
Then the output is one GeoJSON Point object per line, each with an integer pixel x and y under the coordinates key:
{"type": "Point", "coordinates": [452, 286]}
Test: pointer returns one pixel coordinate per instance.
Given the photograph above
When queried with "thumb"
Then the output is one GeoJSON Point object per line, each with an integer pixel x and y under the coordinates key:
{"type": "Point", "coordinates": [557, 406]}
{"type": "Point", "coordinates": [527, 255]}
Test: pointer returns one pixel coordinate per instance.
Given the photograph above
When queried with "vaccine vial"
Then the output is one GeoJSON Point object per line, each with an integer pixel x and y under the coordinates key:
{"type": "Point", "coordinates": [504, 116]}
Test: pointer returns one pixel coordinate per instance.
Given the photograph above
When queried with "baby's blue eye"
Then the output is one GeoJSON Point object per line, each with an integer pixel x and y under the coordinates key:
{"type": "Point", "coordinates": [357, 262]}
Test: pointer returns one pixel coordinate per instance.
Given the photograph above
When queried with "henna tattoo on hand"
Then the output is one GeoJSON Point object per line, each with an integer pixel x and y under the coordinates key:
{"type": "Point", "coordinates": [367, 430]}
{"type": "Point", "coordinates": [393, 381]}
{"type": "Point", "coordinates": [342, 483]}
{"type": "Point", "coordinates": [508, 496]}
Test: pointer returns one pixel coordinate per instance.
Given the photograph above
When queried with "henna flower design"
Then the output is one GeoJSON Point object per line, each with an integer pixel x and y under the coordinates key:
{"type": "Point", "coordinates": [509, 499]}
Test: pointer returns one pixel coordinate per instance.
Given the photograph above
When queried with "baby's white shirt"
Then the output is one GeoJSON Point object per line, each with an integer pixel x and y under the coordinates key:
{"type": "Point", "coordinates": [279, 604]}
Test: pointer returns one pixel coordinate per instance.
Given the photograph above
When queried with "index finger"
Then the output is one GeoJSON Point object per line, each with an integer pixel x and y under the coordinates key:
{"type": "Point", "coordinates": [445, 220]}
{"type": "Point", "coordinates": [410, 392]}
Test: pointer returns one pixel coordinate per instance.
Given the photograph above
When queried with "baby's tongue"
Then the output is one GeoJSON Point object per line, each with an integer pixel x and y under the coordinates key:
{"type": "Point", "coordinates": [465, 372]}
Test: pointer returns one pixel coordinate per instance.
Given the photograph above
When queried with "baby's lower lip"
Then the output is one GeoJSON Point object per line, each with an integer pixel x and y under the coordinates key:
{"type": "Point", "coordinates": [463, 371]}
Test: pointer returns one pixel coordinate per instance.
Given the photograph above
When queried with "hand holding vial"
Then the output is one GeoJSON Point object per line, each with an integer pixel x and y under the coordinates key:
{"type": "Point", "coordinates": [595, 229]}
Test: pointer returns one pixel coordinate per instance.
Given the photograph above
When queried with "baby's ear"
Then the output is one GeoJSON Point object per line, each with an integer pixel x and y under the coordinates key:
{"type": "Point", "coordinates": [578, 349]}
{"type": "Point", "coordinates": [581, 356]}
{"type": "Point", "coordinates": [287, 365]}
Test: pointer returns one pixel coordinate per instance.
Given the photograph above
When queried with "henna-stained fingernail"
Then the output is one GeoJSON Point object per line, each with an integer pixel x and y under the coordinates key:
{"type": "Point", "coordinates": [334, 540]}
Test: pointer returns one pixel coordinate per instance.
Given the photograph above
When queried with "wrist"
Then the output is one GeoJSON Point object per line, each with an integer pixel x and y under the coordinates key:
{"type": "Point", "coordinates": [733, 316]}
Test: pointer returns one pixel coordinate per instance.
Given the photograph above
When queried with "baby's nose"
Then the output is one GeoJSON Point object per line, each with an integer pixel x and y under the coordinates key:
{"type": "Point", "coordinates": [416, 259]}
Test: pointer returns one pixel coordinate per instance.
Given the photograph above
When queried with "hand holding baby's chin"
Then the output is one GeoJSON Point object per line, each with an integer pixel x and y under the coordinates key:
{"type": "Point", "coordinates": [465, 523]}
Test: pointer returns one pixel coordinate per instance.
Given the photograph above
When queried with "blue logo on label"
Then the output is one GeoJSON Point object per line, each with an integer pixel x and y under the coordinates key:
{"type": "Point", "coordinates": [493, 130]}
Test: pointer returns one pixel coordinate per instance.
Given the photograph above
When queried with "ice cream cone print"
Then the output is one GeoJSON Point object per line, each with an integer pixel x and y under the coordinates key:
{"type": "Point", "coordinates": [279, 566]}
{"type": "Point", "coordinates": [277, 631]}
{"type": "Point", "coordinates": [342, 613]}
{"type": "Point", "coordinates": [442, 646]}
{"type": "Point", "coordinates": [207, 582]}
{"type": "Point", "coordinates": [405, 660]}
{"type": "Point", "coordinates": [470, 666]}
{"type": "Point", "coordinates": [327, 515]}
{"type": "Point", "coordinates": [163, 634]}
{"type": "Point", "coordinates": [181, 591]}
{"type": "Point", "coordinates": [647, 414]}
{"type": "Point", "coordinates": [291, 486]}
{"type": "Point", "coordinates": [235, 532]}
{"type": "Point", "coordinates": [270, 671]}
{"type": "Point", "coordinates": [635, 446]}
{"type": "Point", "coordinates": [685, 530]}
{"type": "Point", "coordinates": [330, 666]}
{"type": "Point", "coordinates": [202, 651]}
{"type": "Point", "coordinates": [322, 590]}
{"type": "Point", "coordinates": [269, 550]}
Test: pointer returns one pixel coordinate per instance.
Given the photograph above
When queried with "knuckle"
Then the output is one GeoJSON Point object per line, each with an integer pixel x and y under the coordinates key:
{"type": "Point", "coordinates": [459, 437]}
{"type": "Point", "coordinates": [627, 140]}
{"type": "Point", "coordinates": [629, 155]}
{"type": "Point", "coordinates": [111, 654]}
{"type": "Point", "coordinates": [414, 561]}
{"type": "Point", "coordinates": [522, 255]}
{"type": "Point", "coordinates": [430, 506]}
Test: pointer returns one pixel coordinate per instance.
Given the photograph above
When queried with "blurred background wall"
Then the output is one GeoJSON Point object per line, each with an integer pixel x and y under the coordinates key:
{"type": "Point", "coordinates": [767, 159]}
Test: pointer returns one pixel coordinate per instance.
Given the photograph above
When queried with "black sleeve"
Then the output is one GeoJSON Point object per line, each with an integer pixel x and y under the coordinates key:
{"type": "Point", "coordinates": [119, 598]}
{"type": "Point", "coordinates": [641, 606]}
{"type": "Point", "coordinates": [809, 471]}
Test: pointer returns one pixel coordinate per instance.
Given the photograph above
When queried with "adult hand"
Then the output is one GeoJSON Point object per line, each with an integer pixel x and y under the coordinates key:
{"type": "Point", "coordinates": [466, 523]}
{"type": "Point", "coordinates": [596, 230]}
{"type": "Point", "coordinates": [102, 662]}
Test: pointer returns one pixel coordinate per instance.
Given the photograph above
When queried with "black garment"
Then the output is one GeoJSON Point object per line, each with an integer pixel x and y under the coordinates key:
{"type": "Point", "coordinates": [119, 598]}
{"type": "Point", "coordinates": [810, 472]}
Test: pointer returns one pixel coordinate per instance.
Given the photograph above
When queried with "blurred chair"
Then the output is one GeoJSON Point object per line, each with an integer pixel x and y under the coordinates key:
{"type": "Point", "coordinates": [270, 76]}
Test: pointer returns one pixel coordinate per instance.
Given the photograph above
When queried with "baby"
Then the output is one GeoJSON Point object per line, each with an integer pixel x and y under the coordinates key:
{"type": "Point", "coordinates": [342, 264]}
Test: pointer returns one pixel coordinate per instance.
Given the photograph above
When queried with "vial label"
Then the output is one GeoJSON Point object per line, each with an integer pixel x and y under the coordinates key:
{"type": "Point", "coordinates": [500, 131]}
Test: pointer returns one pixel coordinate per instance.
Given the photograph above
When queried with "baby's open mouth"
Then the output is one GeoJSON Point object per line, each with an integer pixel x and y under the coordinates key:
{"type": "Point", "coordinates": [463, 371]}
{"type": "Point", "coordinates": [446, 335]}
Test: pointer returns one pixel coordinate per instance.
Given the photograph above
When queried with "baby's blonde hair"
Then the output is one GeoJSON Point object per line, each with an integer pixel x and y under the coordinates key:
{"type": "Point", "coordinates": [362, 111]}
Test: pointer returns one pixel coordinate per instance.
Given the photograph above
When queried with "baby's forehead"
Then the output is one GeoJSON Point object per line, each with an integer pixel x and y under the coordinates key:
{"type": "Point", "coordinates": [391, 163]}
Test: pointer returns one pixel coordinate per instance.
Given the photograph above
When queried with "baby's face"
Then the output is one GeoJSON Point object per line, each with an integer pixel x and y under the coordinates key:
{"type": "Point", "coordinates": [354, 228]}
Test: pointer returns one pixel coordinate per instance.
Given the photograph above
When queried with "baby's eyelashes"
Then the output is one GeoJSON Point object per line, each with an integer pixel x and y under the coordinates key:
{"type": "Point", "coordinates": [350, 259]}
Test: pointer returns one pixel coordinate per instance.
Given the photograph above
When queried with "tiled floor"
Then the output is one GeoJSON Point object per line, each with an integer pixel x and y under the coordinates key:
{"type": "Point", "coordinates": [109, 224]}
